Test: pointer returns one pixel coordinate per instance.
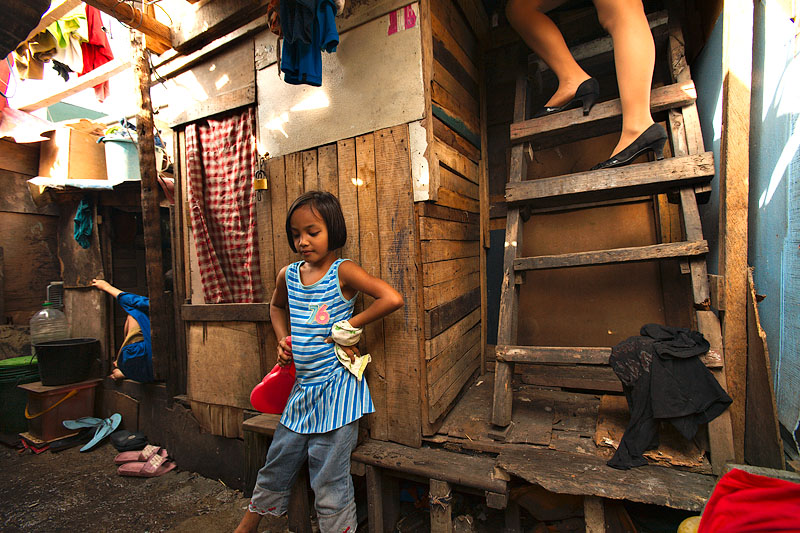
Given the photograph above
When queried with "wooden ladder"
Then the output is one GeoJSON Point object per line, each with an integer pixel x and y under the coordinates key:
{"type": "Point", "coordinates": [688, 172]}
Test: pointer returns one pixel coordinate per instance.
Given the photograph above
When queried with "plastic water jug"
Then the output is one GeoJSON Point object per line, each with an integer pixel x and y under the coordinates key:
{"type": "Point", "coordinates": [49, 324]}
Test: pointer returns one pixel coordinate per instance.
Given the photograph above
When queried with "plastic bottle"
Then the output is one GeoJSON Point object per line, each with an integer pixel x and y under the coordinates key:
{"type": "Point", "coordinates": [49, 324]}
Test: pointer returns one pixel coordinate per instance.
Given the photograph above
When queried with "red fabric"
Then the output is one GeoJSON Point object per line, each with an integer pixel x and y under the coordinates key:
{"type": "Point", "coordinates": [97, 51]}
{"type": "Point", "coordinates": [220, 163]}
{"type": "Point", "coordinates": [743, 502]}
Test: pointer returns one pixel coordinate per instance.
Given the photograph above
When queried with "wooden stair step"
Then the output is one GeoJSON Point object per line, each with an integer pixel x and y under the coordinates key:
{"type": "Point", "coordinates": [614, 183]}
{"type": "Point", "coordinates": [553, 355]}
{"type": "Point", "coordinates": [619, 255]}
{"type": "Point", "coordinates": [605, 117]}
{"type": "Point", "coordinates": [578, 355]}
{"type": "Point", "coordinates": [658, 24]}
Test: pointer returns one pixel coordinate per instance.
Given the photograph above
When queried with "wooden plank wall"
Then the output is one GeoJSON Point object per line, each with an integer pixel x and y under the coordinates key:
{"type": "Point", "coordinates": [28, 237]}
{"type": "Point", "coordinates": [370, 174]}
{"type": "Point", "coordinates": [449, 229]}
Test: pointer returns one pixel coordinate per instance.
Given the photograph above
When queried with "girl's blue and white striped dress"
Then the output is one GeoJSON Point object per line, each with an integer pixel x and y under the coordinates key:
{"type": "Point", "coordinates": [325, 396]}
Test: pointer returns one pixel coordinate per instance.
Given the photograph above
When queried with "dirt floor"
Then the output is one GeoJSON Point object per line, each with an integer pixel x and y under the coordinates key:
{"type": "Point", "coordinates": [76, 492]}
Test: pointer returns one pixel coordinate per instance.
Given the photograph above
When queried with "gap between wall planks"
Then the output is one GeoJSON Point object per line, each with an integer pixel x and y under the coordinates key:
{"type": "Point", "coordinates": [370, 175]}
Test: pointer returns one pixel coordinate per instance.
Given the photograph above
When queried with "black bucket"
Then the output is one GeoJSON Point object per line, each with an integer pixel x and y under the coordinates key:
{"type": "Point", "coordinates": [66, 361]}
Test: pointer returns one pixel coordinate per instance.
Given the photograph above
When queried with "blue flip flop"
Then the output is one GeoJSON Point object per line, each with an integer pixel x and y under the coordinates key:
{"type": "Point", "coordinates": [105, 427]}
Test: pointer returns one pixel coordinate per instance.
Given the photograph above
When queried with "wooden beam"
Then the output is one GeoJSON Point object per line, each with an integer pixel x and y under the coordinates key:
{"type": "Point", "coordinates": [633, 180]}
{"type": "Point", "coordinates": [176, 63]}
{"type": "Point", "coordinates": [631, 254]}
{"type": "Point", "coordinates": [160, 316]}
{"type": "Point", "coordinates": [737, 60]}
{"type": "Point", "coordinates": [213, 20]}
{"type": "Point", "coordinates": [508, 320]}
{"type": "Point", "coordinates": [441, 508]}
{"type": "Point", "coordinates": [553, 355]}
{"type": "Point", "coordinates": [57, 10]}
{"type": "Point", "coordinates": [159, 38]}
{"type": "Point", "coordinates": [559, 355]}
{"type": "Point", "coordinates": [75, 85]}
{"type": "Point", "coordinates": [225, 312]}
{"type": "Point", "coordinates": [455, 468]}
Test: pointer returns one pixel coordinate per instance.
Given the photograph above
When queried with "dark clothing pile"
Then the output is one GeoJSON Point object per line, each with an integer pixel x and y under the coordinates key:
{"type": "Point", "coordinates": [663, 379]}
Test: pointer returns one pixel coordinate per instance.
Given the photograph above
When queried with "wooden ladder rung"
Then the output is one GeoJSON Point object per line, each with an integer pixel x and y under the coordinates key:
{"type": "Point", "coordinates": [614, 183]}
{"type": "Point", "coordinates": [619, 255]}
{"type": "Point", "coordinates": [605, 117]}
{"type": "Point", "coordinates": [658, 24]}
{"type": "Point", "coordinates": [581, 355]}
{"type": "Point", "coordinates": [556, 355]}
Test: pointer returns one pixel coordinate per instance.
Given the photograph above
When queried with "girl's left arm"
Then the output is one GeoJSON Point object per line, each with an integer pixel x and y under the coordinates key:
{"type": "Point", "coordinates": [355, 278]}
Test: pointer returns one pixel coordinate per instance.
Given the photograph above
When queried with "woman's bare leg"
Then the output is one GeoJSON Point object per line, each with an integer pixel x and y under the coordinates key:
{"type": "Point", "coordinates": [541, 34]}
{"type": "Point", "coordinates": [634, 59]}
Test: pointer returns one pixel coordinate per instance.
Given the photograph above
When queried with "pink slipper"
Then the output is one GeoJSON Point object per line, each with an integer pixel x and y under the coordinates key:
{"type": "Point", "coordinates": [141, 456]}
{"type": "Point", "coordinates": [155, 466]}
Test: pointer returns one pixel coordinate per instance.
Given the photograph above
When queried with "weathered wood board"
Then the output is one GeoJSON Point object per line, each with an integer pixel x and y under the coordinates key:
{"type": "Point", "coordinates": [583, 474]}
{"type": "Point", "coordinates": [224, 362]}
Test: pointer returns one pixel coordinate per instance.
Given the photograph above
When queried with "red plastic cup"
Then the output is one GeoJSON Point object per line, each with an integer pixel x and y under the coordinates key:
{"type": "Point", "coordinates": [271, 395]}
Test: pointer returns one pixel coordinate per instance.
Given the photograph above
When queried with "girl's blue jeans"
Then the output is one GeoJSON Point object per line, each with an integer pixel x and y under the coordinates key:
{"type": "Point", "coordinates": [328, 457]}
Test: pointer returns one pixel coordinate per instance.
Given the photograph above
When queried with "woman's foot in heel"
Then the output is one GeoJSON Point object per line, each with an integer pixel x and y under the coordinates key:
{"type": "Point", "coordinates": [652, 139]}
{"type": "Point", "coordinates": [585, 95]}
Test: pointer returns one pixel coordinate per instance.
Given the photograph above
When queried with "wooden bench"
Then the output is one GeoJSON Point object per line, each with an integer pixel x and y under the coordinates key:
{"type": "Point", "coordinates": [386, 461]}
{"type": "Point", "coordinates": [258, 432]}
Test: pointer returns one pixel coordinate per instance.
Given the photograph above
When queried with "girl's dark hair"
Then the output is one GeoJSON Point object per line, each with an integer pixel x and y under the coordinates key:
{"type": "Point", "coordinates": [327, 206]}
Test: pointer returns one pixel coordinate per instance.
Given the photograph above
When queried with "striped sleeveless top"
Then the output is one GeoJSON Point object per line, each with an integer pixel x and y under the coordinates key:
{"type": "Point", "coordinates": [325, 395]}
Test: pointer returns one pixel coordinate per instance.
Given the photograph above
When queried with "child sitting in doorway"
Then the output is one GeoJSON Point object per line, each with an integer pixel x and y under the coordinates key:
{"type": "Point", "coordinates": [135, 357]}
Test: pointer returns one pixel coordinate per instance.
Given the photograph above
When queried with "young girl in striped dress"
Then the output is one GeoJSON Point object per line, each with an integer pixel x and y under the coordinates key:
{"type": "Point", "coordinates": [320, 421]}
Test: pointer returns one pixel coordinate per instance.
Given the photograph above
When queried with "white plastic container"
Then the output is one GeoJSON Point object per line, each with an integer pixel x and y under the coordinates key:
{"type": "Point", "coordinates": [49, 324]}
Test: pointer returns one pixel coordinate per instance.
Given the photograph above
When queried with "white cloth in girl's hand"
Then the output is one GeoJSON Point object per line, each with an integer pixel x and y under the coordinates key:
{"type": "Point", "coordinates": [343, 334]}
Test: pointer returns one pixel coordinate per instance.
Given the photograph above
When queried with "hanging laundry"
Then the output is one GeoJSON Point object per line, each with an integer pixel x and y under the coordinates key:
{"type": "Point", "coordinates": [70, 31]}
{"type": "Point", "coordinates": [82, 223]}
{"type": "Point", "coordinates": [301, 62]}
{"type": "Point", "coordinates": [62, 69]}
{"type": "Point", "coordinates": [29, 57]}
{"type": "Point", "coordinates": [97, 51]}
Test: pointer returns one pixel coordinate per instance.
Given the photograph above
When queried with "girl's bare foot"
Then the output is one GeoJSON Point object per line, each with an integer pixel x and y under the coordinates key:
{"type": "Point", "coordinates": [116, 374]}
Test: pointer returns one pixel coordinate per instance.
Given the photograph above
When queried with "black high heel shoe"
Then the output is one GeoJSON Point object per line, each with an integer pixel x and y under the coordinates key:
{"type": "Point", "coordinates": [587, 94]}
{"type": "Point", "coordinates": [653, 138]}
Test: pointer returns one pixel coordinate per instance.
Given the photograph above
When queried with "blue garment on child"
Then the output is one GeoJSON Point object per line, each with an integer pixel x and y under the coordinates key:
{"type": "Point", "coordinates": [301, 62]}
{"type": "Point", "coordinates": [136, 359]}
{"type": "Point", "coordinates": [325, 396]}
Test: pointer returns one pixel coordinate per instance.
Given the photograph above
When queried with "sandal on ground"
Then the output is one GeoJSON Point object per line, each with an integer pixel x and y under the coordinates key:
{"type": "Point", "coordinates": [140, 456]}
{"type": "Point", "coordinates": [157, 465]}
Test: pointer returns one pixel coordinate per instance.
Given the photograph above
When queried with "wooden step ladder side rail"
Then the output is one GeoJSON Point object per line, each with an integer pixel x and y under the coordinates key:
{"type": "Point", "coordinates": [687, 139]}
{"type": "Point", "coordinates": [509, 299]}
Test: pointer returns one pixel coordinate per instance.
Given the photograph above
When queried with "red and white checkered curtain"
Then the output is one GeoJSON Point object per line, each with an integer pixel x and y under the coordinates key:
{"type": "Point", "coordinates": [220, 162]}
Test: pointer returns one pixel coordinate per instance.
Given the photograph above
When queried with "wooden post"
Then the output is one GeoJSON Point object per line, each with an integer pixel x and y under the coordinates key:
{"type": "Point", "coordinates": [507, 321]}
{"type": "Point", "coordinates": [375, 498]}
{"type": "Point", "coordinates": [163, 346]}
{"type": "Point", "coordinates": [441, 510]}
{"type": "Point", "coordinates": [737, 60]}
{"type": "Point", "coordinates": [2, 287]}
{"type": "Point", "coordinates": [594, 513]}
